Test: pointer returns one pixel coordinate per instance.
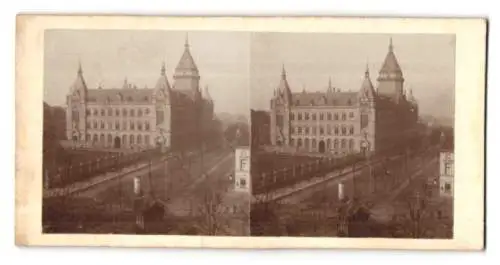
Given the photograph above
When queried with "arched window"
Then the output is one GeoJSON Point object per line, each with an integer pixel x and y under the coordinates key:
{"type": "Point", "coordinates": [146, 126]}
{"type": "Point", "coordinates": [132, 125]}
{"type": "Point", "coordinates": [132, 139]}
{"type": "Point", "coordinates": [96, 112]}
{"type": "Point", "coordinates": [328, 144]}
{"type": "Point", "coordinates": [299, 142]}
{"type": "Point", "coordinates": [95, 125]}
{"type": "Point", "coordinates": [344, 130]}
{"type": "Point", "coordinates": [343, 116]}
{"type": "Point", "coordinates": [336, 143]}
{"type": "Point", "coordinates": [146, 111]}
{"type": "Point", "coordinates": [351, 130]}
{"type": "Point", "coordinates": [313, 143]}
{"type": "Point", "coordinates": [139, 126]}
{"type": "Point", "coordinates": [299, 116]}
{"type": "Point", "coordinates": [329, 129]}
{"type": "Point", "coordinates": [306, 130]}
{"type": "Point", "coordinates": [343, 143]}
{"type": "Point", "coordinates": [110, 139]}
{"type": "Point", "coordinates": [292, 142]}
{"type": "Point", "coordinates": [139, 139]}
{"type": "Point", "coordinates": [292, 116]}
{"type": "Point", "coordinates": [299, 130]}
{"type": "Point", "coordinates": [101, 139]}
{"type": "Point", "coordinates": [95, 138]}
{"type": "Point", "coordinates": [336, 130]}
{"type": "Point", "coordinates": [103, 112]}
{"type": "Point", "coordinates": [321, 116]}
{"type": "Point", "coordinates": [102, 125]}
{"type": "Point", "coordinates": [306, 116]}
{"type": "Point", "coordinates": [117, 112]}
{"type": "Point", "coordinates": [336, 116]}
{"type": "Point", "coordinates": [117, 125]}
{"type": "Point", "coordinates": [321, 130]}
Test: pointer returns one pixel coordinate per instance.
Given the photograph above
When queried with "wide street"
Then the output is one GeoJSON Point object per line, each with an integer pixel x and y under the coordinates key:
{"type": "Point", "coordinates": [166, 181]}
{"type": "Point", "coordinates": [317, 203]}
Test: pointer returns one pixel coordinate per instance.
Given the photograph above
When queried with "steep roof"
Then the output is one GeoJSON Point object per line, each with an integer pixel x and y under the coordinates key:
{"type": "Point", "coordinates": [119, 95]}
{"type": "Point", "coordinates": [79, 84]}
{"type": "Point", "coordinates": [367, 89]}
{"type": "Point", "coordinates": [186, 63]}
{"type": "Point", "coordinates": [390, 64]}
{"type": "Point", "coordinates": [324, 99]}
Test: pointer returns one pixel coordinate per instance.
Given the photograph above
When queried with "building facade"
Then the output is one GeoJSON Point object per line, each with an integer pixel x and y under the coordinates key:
{"type": "Point", "coordinates": [340, 122]}
{"type": "Point", "coordinates": [128, 117]}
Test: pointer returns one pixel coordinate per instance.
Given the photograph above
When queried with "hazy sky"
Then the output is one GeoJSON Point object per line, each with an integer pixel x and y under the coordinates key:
{"type": "Point", "coordinates": [243, 69]}
{"type": "Point", "coordinates": [108, 57]}
{"type": "Point", "coordinates": [310, 59]}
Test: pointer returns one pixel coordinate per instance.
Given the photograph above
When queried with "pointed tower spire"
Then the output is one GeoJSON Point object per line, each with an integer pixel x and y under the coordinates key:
{"type": "Point", "coordinates": [207, 93]}
{"type": "Point", "coordinates": [186, 41]}
{"type": "Point", "coordinates": [125, 83]}
{"type": "Point", "coordinates": [391, 47]}
{"type": "Point", "coordinates": [162, 72]}
{"type": "Point", "coordinates": [283, 72]}
{"type": "Point", "coordinates": [367, 71]}
{"type": "Point", "coordinates": [80, 71]}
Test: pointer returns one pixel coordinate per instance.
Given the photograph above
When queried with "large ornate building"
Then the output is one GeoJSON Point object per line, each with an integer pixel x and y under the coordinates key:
{"type": "Point", "coordinates": [343, 122]}
{"type": "Point", "coordinates": [174, 116]}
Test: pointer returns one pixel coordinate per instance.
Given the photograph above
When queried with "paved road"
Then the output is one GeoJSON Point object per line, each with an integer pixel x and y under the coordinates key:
{"type": "Point", "coordinates": [166, 180]}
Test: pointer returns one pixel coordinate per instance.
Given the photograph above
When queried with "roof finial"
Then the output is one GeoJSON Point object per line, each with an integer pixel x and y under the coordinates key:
{"type": "Point", "coordinates": [163, 68]}
{"type": "Point", "coordinates": [80, 71]}
{"type": "Point", "coordinates": [367, 71]}
{"type": "Point", "coordinates": [283, 71]}
{"type": "Point", "coordinates": [391, 47]}
{"type": "Point", "coordinates": [186, 43]}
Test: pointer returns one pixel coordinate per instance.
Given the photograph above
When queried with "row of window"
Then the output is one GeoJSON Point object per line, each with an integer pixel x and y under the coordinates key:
{"type": "Point", "coordinates": [118, 112]}
{"type": "Point", "coordinates": [132, 125]}
{"type": "Point", "coordinates": [124, 139]}
{"type": "Point", "coordinates": [328, 143]}
{"type": "Point", "coordinates": [337, 130]}
{"type": "Point", "coordinates": [321, 116]}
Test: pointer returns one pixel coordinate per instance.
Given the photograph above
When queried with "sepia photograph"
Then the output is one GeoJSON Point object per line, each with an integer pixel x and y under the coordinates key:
{"type": "Point", "coordinates": [141, 131]}
{"type": "Point", "coordinates": [233, 132]}
{"type": "Point", "coordinates": [353, 136]}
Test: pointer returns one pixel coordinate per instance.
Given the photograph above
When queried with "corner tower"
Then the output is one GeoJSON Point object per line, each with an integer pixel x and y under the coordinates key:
{"type": "Point", "coordinates": [390, 80]}
{"type": "Point", "coordinates": [186, 75]}
{"type": "Point", "coordinates": [280, 112]}
{"type": "Point", "coordinates": [76, 102]}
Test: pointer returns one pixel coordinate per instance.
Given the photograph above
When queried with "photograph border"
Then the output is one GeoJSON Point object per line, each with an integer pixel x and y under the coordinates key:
{"type": "Point", "coordinates": [470, 73]}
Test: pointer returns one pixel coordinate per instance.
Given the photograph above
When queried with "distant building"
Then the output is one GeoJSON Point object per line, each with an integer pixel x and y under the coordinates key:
{"type": "Point", "coordinates": [130, 117]}
{"type": "Point", "coordinates": [341, 122]}
{"type": "Point", "coordinates": [446, 168]}
{"type": "Point", "coordinates": [261, 128]}
{"type": "Point", "coordinates": [242, 169]}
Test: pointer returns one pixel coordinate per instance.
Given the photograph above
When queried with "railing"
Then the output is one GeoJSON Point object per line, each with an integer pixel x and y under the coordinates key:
{"type": "Point", "coordinates": [64, 175]}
